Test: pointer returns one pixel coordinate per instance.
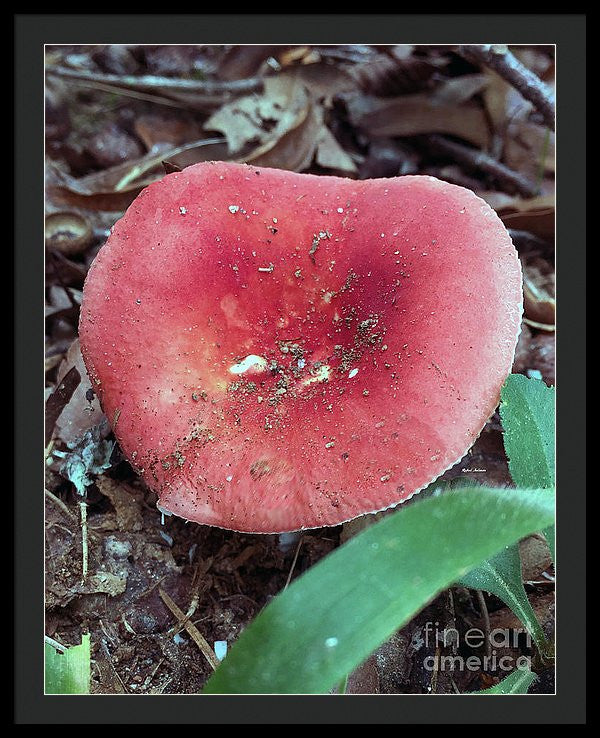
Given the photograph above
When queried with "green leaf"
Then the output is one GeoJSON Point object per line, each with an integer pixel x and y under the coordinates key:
{"type": "Point", "coordinates": [69, 672]}
{"type": "Point", "coordinates": [550, 536]}
{"type": "Point", "coordinates": [516, 683]}
{"type": "Point", "coordinates": [527, 412]}
{"type": "Point", "coordinates": [330, 619]}
{"type": "Point", "coordinates": [501, 575]}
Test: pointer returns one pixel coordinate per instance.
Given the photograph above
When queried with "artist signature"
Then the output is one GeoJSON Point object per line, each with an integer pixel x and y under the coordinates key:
{"type": "Point", "coordinates": [471, 471]}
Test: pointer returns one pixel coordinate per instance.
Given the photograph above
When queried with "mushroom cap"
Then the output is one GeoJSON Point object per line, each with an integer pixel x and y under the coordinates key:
{"type": "Point", "coordinates": [279, 351]}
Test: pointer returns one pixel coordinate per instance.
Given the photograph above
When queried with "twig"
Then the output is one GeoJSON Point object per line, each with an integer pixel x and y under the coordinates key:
{"type": "Point", "coordinates": [112, 666]}
{"type": "Point", "coordinates": [486, 620]}
{"type": "Point", "coordinates": [84, 540]}
{"type": "Point", "coordinates": [293, 566]}
{"type": "Point", "coordinates": [195, 634]}
{"type": "Point", "coordinates": [152, 82]}
{"type": "Point", "coordinates": [505, 63]}
{"type": "Point", "coordinates": [480, 160]}
{"type": "Point", "coordinates": [55, 644]}
{"type": "Point", "coordinates": [59, 503]}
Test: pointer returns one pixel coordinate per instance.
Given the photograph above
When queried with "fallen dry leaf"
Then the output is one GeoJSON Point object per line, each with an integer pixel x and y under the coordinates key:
{"type": "Point", "coordinates": [155, 128]}
{"type": "Point", "coordinates": [535, 215]}
{"type": "Point", "coordinates": [80, 413]}
{"type": "Point", "coordinates": [127, 503]}
{"type": "Point", "coordinates": [262, 118]}
{"type": "Point", "coordinates": [115, 188]}
{"type": "Point", "coordinates": [539, 291]}
{"type": "Point", "coordinates": [412, 115]}
{"type": "Point", "coordinates": [330, 155]}
{"type": "Point", "coordinates": [530, 149]}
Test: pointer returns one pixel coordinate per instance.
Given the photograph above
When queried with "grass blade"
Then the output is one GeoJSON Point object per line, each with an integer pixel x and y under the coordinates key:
{"type": "Point", "coordinates": [68, 672]}
{"type": "Point", "coordinates": [501, 575]}
{"type": "Point", "coordinates": [516, 683]}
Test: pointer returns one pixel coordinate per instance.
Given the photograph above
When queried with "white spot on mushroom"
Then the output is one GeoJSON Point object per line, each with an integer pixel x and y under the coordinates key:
{"type": "Point", "coordinates": [321, 375]}
{"type": "Point", "coordinates": [352, 373]}
{"type": "Point", "coordinates": [253, 362]}
{"type": "Point", "coordinates": [229, 478]}
{"type": "Point", "coordinates": [182, 210]}
{"type": "Point", "coordinates": [233, 208]}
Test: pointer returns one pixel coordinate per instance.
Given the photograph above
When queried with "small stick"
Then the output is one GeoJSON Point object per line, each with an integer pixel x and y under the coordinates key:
{"type": "Point", "coordinates": [148, 82]}
{"type": "Point", "coordinates": [289, 577]}
{"type": "Point", "coordinates": [195, 634]}
{"type": "Point", "coordinates": [505, 63]}
{"type": "Point", "coordinates": [112, 666]}
{"type": "Point", "coordinates": [59, 503]}
{"type": "Point", "coordinates": [480, 160]}
{"type": "Point", "coordinates": [84, 540]}
{"type": "Point", "coordinates": [55, 644]}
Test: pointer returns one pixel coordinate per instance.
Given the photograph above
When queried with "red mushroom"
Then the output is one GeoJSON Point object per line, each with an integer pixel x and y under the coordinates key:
{"type": "Point", "coordinates": [281, 351]}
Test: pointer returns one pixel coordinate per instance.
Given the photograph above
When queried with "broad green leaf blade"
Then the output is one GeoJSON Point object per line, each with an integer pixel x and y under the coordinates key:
{"type": "Point", "coordinates": [516, 683]}
{"type": "Point", "coordinates": [331, 618]}
{"type": "Point", "coordinates": [501, 575]}
{"type": "Point", "coordinates": [69, 672]}
{"type": "Point", "coordinates": [527, 412]}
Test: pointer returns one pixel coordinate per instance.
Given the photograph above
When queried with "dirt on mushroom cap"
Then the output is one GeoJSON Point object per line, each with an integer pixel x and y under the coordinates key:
{"type": "Point", "coordinates": [290, 351]}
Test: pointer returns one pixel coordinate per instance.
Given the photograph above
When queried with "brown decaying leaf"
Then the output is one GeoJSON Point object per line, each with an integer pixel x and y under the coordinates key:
{"type": "Point", "coordinates": [127, 503]}
{"type": "Point", "coordinates": [457, 90]}
{"type": "Point", "coordinates": [535, 215]}
{"type": "Point", "coordinates": [260, 118]}
{"type": "Point", "coordinates": [538, 291]}
{"type": "Point", "coordinates": [245, 61]}
{"type": "Point", "coordinates": [59, 398]}
{"type": "Point", "coordinates": [536, 352]}
{"type": "Point", "coordinates": [95, 191]}
{"type": "Point", "coordinates": [412, 115]}
{"type": "Point", "coordinates": [530, 148]}
{"type": "Point", "coordinates": [79, 414]}
{"type": "Point", "coordinates": [330, 155]}
{"type": "Point", "coordinates": [286, 123]}
{"type": "Point", "coordinates": [114, 189]}
{"type": "Point", "coordinates": [387, 75]}
{"type": "Point", "coordinates": [324, 81]}
{"type": "Point", "coordinates": [156, 128]}
{"type": "Point", "coordinates": [503, 103]}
